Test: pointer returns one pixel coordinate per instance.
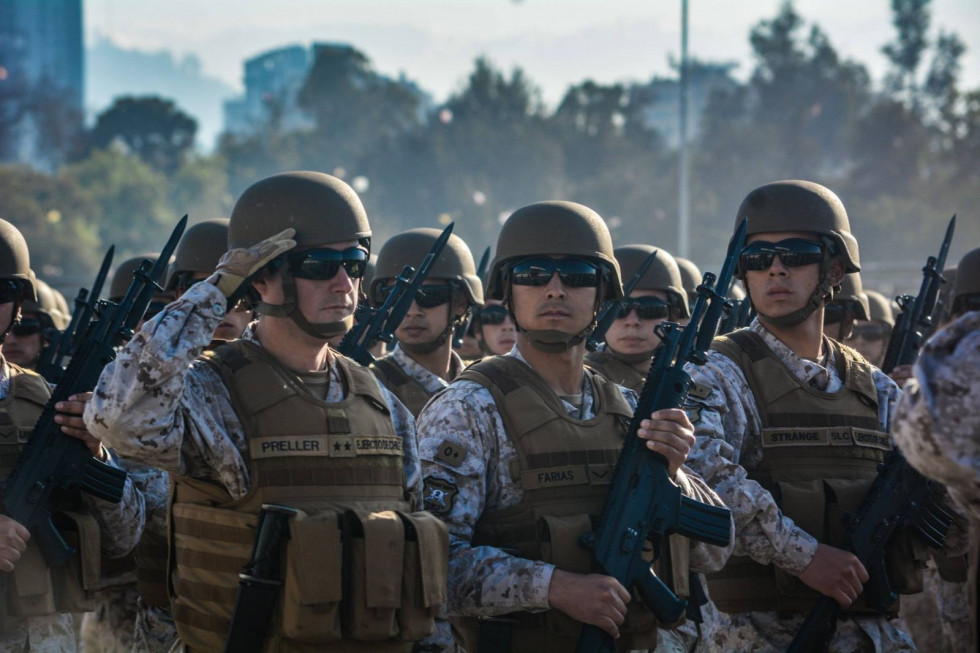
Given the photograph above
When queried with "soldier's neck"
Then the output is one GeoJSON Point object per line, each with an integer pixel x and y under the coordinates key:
{"type": "Point", "coordinates": [805, 339]}
{"type": "Point", "coordinates": [291, 346]}
{"type": "Point", "coordinates": [562, 372]}
{"type": "Point", "coordinates": [437, 362]}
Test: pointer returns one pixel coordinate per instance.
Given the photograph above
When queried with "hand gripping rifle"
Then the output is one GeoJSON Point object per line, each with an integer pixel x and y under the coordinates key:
{"type": "Point", "coordinates": [643, 503]}
{"type": "Point", "coordinates": [915, 322]}
{"type": "Point", "coordinates": [899, 498]}
{"type": "Point", "coordinates": [260, 584]}
{"type": "Point", "coordinates": [374, 324]}
{"type": "Point", "coordinates": [460, 331]}
{"type": "Point", "coordinates": [610, 310]}
{"type": "Point", "coordinates": [52, 462]}
{"type": "Point", "coordinates": [50, 364]}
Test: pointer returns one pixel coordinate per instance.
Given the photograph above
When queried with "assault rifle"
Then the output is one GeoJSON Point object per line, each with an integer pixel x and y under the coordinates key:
{"type": "Point", "coordinates": [610, 310]}
{"type": "Point", "coordinates": [915, 322]}
{"type": "Point", "coordinates": [642, 503]}
{"type": "Point", "coordinates": [49, 365]}
{"type": "Point", "coordinates": [460, 331]}
{"type": "Point", "coordinates": [374, 324]}
{"type": "Point", "coordinates": [52, 463]}
{"type": "Point", "coordinates": [899, 498]}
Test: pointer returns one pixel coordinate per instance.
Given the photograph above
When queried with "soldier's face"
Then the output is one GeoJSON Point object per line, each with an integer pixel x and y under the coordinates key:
{"type": "Point", "coordinates": [498, 333]}
{"type": "Point", "coordinates": [6, 317]}
{"type": "Point", "coordinates": [425, 324]}
{"type": "Point", "coordinates": [553, 306]}
{"type": "Point", "coordinates": [633, 334]}
{"type": "Point", "coordinates": [320, 301]}
{"type": "Point", "coordinates": [782, 289]}
{"type": "Point", "coordinates": [24, 349]}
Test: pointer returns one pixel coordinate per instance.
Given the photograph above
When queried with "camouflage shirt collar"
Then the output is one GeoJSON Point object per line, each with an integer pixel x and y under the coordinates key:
{"type": "Point", "coordinates": [820, 375]}
{"type": "Point", "coordinates": [583, 411]}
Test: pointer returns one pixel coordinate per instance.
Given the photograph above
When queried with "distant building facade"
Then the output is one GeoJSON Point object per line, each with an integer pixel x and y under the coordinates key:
{"type": "Point", "coordinates": [41, 80]}
{"type": "Point", "coordinates": [662, 113]}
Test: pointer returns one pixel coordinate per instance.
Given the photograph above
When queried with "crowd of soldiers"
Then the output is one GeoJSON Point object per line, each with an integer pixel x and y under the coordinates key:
{"type": "Point", "coordinates": [437, 498]}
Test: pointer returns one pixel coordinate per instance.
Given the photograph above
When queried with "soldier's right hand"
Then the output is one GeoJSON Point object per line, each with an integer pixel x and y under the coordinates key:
{"type": "Point", "coordinates": [237, 265]}
{"type": "Point", "coordinates": [901, 374]}
{"type": "Point", "coordinates": [13, 542]}
{"type": "Point", "coordinates": [590, 598]}
{"type": "Point", "coordinates": [836, 573]}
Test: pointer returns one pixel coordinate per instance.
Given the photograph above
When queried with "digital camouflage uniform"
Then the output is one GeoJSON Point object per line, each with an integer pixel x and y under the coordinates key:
{"type": "Point", "coordinates": [155, 630]}
{"type": "Point", "coordinates": [485, 581]}
{"type": "Point", "coordinates": [120, 525]}
{"type": "Point", "coordinates": [429, 383]}
{"type": "Point", "coordinates": [727, 426]}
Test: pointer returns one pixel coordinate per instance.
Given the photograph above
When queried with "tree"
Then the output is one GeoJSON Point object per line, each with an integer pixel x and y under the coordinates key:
{"type": "Point", "coordinates": [911, 20]}
{"type": "Point", "coordinates": [151, 127]}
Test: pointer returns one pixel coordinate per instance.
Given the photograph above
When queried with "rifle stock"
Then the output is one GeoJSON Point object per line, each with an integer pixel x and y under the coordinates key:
{"type": "Point", "coordinates": [52, 463]}
{"type": "Point", "coordinates": [643, 503]}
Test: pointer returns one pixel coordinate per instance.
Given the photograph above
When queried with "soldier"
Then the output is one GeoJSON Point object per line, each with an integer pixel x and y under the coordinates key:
{"type": "Point", "coordinates": [847, 307]}
{"type": "Point", "coordinates": [508, 442]}
{"type": "Point", "coordinates": [123, 276]}
{"type": "Point", "coordinates": [279, 417]}
{"type": "Point", "coordinates": [780, 393]}
{"type": "Point", "coordinates": [494, 329]}
{"type": "Point", "coordinates": [40, 320]}
{"type": "Point", "coordinates": [691, 277]}
{"type": "Point", "coordinates": [870, 337]}
{"type": "Point", "coordinates": [423, 362]}
{"type": "Point", "coordinates": [630, 340]}
{"type": "Point", "coordinates": [936, 428]}
{"type": "Point", "coordinates": [36, 602]}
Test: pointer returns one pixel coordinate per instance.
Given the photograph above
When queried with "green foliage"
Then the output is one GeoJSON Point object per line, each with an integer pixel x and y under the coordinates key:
{"type": "Point", "coordinates": [152, 128]}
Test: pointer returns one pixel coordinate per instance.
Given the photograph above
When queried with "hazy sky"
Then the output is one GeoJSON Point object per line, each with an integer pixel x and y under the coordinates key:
{"type": "Point", "coordinates": [557, 42]}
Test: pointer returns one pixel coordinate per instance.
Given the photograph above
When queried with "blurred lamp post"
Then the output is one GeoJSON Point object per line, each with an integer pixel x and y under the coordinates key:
{"type": "Point", "coordinates": [683, 203]}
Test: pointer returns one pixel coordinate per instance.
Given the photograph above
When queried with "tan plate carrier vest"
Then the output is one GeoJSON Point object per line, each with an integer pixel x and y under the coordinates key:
{"type": "Point", "coordinates": [615, 370]}
{"type": "Point", "coordinates": [34, 589]}
{"type": "Point", "coordinates": [565, 467]}
{"type": "Point", "coordinates": [820, 455]}
{"type": "Point", "coordinates": [362, 572]}
{"type": "Point", "coordinates": [408, 390]}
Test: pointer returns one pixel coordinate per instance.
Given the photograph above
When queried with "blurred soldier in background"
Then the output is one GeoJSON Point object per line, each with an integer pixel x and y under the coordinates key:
{"type": "Point", "coordinates": [41, 319]}
{"type": "Point", "coordinates": [772, 387]}
{"type": "Point", "coordinates": [423, 362]}
{"type": "Point", "coordinates": [870, 337]}
{"type": "Point", "coordinates": [506, 444]}
{"type": "Point", "coordinates": [847, 307]}
{"type": "Point", "coordinates": [123, 276]}
{"type": "Point", "coordinates": [494, 328]}
{"type": "Point", "coordinates": [691, 278]}
{"type": "Point", "coordinates": [35, 601]}
{"type": "Point", "coordinates": [630, 341]}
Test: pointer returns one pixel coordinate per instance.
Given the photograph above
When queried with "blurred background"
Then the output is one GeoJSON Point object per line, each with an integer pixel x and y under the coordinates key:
{"type": "Point", "coordinates": [119, 116]}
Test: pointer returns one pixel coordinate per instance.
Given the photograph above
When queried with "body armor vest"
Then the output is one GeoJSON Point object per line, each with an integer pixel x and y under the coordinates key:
{"type": "Point", "coordinates": [820, 455]}
{"type": "Point", "coordinates": [408, 390]}
{"type": "Point", "coordinates": [565, 466]}
{"type": "Point", "coordinates": [34, 589]}
{"type": "Point", "coordinates": [616, 370]}
{"type": "Point", "coordinates": [362, 572]}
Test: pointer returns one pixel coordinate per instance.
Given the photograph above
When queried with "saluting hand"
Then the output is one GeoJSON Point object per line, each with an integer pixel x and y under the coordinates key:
{"type": "Point", "coordinates": [670, 433]}
{"type": "Point", "coordinates": [13, 542]}
{"type": "Point", "coordinates": [237, 265]}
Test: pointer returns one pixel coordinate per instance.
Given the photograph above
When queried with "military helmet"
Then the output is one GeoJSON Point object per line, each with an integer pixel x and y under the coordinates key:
{"type": "Point", "coordinates": [199, 250]}
{"type": "Point", "coordinates": [967, 275]}
{"type": "Point", "coordinates": [853, 291]}
{"type": "Point", "coordinates": [554, 229]}
{"type": "Point", "coordinates": [15, 258]}
{"type": "Point", "coordinates": [690, 277]}
{"type": "Point", "coordinates": [123, 276]}
{"type": "Point", "coordinates": [797, 205]}
{"type": "Point", "coordinates": [663, 273]}
{"type": "Point", "coordinates": [321, 208]}
{"type": "Point", "coordinates": [46, 305]}
{"type": "Point", "coordinates": [455, 262]}
{"type": "Point", "coordinates": [879, 308]}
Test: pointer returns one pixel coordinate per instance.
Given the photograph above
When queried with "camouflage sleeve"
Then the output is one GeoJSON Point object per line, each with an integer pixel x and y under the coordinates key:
{"type": "Point", "coordinates": [155, 485]}
{"type": "Point", "coordinates": [937, 421]}
{"type": "Point", "coordinates": [723, 420]}
{"type": "Point", "coordinates": [461, 436]}
{"type": "Point", "coordinates": [121, 523]}
{"type": "Point", "coordinates": [155, 404]}
{"type": "Point", "coordinates": [404, 424]}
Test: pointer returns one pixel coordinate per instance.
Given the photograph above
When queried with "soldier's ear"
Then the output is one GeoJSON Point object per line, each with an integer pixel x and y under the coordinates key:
{"type": "Point", "coordinates": [835, 274]}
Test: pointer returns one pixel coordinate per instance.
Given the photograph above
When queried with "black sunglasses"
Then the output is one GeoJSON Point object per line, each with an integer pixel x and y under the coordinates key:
{"type": "Point", "coordinates": [324, 264]}
{"type": "Point", "coordinates": [493, 315]}
{"type": "Point", "coordinates": [573, 272]}
{"type": "Point", "coordinates": [647, 308]}
{"type": "Point", "coordinates": [9, 291]}
{"type": "Point", "coordinates": [870, 331]}
{"type": "Point", "coordinates": [427, 296]}
{"type": "Point", "coordinates": [793, 252]}
{"type": "Point", "coordinates": [26, 327]}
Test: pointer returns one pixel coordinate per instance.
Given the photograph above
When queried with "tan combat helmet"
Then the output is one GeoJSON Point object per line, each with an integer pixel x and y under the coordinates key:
{"type": "Point", "coordinates": [322, 209]}
{"type": "Point", "coordinates": [966, 288]}
{"type": "Point", "coordinates": [663, 274]}
{"type": "Point", "coordinates": [879, 308]}
{"type": "Point", "coordinates": [15, 259]}
{"type": "Point", "coordinates": [690, 277]}
{"type": "Point", "coordinates": [555, 229]}
{"type": "Point", "coordinates": [46, 305]}
{"type": "Point", "coordinates": [797, 205]}
{"type": "Point", "coordinates": [123, 275]}
{"type": "Point", "coordinates": [455, 265]}
{"type": "Point", "coordinates": [198, 251]}
{"type": "Point", "coordinates": [852, 292]}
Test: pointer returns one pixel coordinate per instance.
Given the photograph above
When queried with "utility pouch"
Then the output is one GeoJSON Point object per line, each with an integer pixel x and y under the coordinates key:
{"type": "Point", "coordinates": [30, 592]}
{"type": "Point", "coordinates": [805, 502]}
{"type": "Point", "coordinates": [558, 539]}
{"type": "Point", "coordinates": [374, 560]}
{"type": "Point", "coordinates": [313, 588]}
{"type": "Point", "coordinates": [77, 584]}
{"type": "Point", "coordinates": [425, 574]}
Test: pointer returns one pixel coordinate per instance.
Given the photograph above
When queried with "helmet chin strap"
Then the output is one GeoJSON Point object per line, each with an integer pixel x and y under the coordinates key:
{"type": "Point", "coordinates": [553, 341]}
{"type": "Point", "coordinates": [290, 309]}
{"type": "Point", "coordinates": [823, 292]}
{"type": "Point", "coordinates": [423, 348]}
{"type": "Point", "coordinates": [630, 358]}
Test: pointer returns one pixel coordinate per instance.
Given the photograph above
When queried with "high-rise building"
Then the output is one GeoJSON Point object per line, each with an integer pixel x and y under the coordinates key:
{"type": "Point", "coordinates": [272, 81]}
{"type": "Point", "coordinates": [41, 80]}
